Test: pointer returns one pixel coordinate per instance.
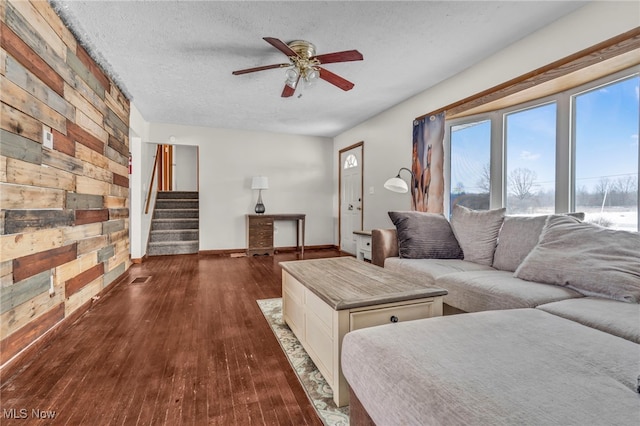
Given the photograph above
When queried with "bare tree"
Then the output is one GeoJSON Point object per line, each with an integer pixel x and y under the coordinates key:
{"type": "Point", "coordinates": [602, 189]}
{"type": "Point", "coordinates": [603, 186]}
{"type": "Point", "coordinates": [484, 183]}
{"type": "Point", "coordinates": [626, 186]}
{"type": "Point", "coordinates": [459, 189]}
{"type": "Point", "coordinates": [522, 183]}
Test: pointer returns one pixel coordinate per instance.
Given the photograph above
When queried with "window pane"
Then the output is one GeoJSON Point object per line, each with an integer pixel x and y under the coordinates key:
{"type": "Point", "coordinates": [606, 141]}
{"type": "Point", "coordinates": [531, 160]}
{"type": "Point", "coordinates": [350, 161]}
{"type": "Point", "coordinates": [470, 158]}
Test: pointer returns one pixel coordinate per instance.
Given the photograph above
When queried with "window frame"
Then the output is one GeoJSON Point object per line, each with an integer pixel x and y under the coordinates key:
{"type": "Point", "coordinates": [565, 143]}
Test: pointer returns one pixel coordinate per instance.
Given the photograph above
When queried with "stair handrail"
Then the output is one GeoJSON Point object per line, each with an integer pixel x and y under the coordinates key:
{"type": "Point", "coordinates": [153, 176]}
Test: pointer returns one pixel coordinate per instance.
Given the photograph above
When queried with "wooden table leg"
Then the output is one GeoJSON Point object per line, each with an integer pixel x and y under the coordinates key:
{"type": "Point", "coordinates": [303, 225]}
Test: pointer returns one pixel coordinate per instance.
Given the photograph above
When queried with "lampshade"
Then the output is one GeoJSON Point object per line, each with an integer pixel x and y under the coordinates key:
{"type": "Point", "coordinates": [260, 182]}
{"type": "Point", "coordinates": [396, 184]}
{"type": "Point", "coordinates": [312, 75]}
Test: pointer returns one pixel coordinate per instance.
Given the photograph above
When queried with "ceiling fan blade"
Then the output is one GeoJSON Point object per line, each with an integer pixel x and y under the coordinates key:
{"type": "Point", "coordinates": [345, 56]}
{"type": "Point", "coordinates": [262, 68]}
{"type": "Point", "coordinates": [288, 91]}
{"type": "Point", "coordinates": [335, 79]}
{"type": "Point", "coordinates": [280, 45]}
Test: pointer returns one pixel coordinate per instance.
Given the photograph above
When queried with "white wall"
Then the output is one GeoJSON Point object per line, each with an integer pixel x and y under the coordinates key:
{"type": "Point", "coordinates": [299, 169]}
{"type": "Point", "coordinates": [185, 174]}
{"type": "Point", "coordinates": [141, 163]}
{"type": "Point", "coordinates": [387, 137]}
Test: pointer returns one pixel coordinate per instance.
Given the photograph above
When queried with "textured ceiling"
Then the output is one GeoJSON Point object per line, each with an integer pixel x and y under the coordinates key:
{"type": "Point", "coordinates": [175, 58]}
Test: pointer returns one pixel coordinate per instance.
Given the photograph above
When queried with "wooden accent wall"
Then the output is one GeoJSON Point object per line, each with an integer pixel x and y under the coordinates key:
{"type": "Point", "coordinates": [64, 217]}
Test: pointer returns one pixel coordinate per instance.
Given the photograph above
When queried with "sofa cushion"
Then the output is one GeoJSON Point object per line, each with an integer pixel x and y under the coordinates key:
{"type": "Point", "coordinates": [430, 269]}
{"type": "Point", "coordinates": [475, 291]}
{"type": "Point", "coordinates": [425, 236]}
{"type": "Point", "coordinates": [519, 366]}
{"type": "Point", "coordinates": [477, 232]}
{"type": "Point", "coordinates": [518, 236]}
{"type": "Point", "coordinates": [611, 316]}
{"type": "Point", "coordinates": [585, 257]}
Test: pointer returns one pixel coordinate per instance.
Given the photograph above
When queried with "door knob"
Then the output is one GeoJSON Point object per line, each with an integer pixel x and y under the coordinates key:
{"type": "Point", "coordinates": [350, 207]}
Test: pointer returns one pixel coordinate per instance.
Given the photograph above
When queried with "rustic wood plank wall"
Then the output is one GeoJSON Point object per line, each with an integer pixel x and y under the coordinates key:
{"type": "Point", "coordinates": [64, 216]}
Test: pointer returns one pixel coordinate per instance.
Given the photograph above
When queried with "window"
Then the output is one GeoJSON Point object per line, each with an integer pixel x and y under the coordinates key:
{"type": "Point", "coordinates": [350, 162]}
{"type": "Point", "coordinates": [470, 165]}
{"type": "Point", "coordinates": [572, 151]}
{"type": "Point", "coordinates": [606, 154]}
{"type": "Point", "coordinates": [530, 137]}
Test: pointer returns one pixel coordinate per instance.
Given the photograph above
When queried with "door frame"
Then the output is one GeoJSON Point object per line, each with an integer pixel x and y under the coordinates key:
{"type": "Point", "coordinates": [340, 152]}
{"type": "Point", "coordinates": [166, 166]}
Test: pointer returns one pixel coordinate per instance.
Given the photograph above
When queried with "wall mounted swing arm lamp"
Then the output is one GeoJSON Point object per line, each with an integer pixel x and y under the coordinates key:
{"type": "Point", "coordinates": [397, 184]}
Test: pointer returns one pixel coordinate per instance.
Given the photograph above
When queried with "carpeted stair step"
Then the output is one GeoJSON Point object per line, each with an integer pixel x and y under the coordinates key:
{"type": "Point", "coordinates": [172, 247]}
{"type": "Point", "coordinates": [174, 235]}
{"type": "Point", "coordinates": [177, 203]}
{"type": "Point", "coordinates": [174, 223]}
{"type": "Point", "coordinates": [175, 213]}
{"type": "Point", "coordinates": [164, 195]}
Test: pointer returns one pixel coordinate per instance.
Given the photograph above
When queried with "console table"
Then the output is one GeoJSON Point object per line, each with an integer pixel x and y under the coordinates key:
{"type": "Point", "coordinates": [260, 230]}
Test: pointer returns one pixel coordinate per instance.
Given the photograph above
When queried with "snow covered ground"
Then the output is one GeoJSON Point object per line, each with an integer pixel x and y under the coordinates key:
{"type": "Point", "coordinates": [622, 218]}
{"type": "Point", "coordinates": [614, 218]}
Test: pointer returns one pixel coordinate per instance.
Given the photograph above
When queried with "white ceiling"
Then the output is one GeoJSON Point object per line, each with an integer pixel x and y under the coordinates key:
{"type": "Point", "coordinates": [175, 58]}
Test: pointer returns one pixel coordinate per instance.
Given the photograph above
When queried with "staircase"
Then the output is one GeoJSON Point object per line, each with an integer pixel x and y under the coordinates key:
{"type": "Point", "coordinates": [174, 227]}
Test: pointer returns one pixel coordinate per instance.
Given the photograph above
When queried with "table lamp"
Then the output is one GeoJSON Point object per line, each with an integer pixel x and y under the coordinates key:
{"type": "Point", "coordinates": [260, 183]}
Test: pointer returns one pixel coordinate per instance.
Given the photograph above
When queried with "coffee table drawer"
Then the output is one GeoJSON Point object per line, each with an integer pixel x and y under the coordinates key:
{"type": "Point", "coordinates": [390, 314]}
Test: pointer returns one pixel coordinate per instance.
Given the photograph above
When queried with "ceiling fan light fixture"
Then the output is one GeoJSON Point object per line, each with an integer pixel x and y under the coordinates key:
{"type": "Point", "coordinates": [312, 75]}
{"type": "Point", "coordinates": [292, 75]}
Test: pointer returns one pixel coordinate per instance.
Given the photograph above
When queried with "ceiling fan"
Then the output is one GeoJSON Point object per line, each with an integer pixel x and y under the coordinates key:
{"type": "Point", "coordinates": [305, 64]}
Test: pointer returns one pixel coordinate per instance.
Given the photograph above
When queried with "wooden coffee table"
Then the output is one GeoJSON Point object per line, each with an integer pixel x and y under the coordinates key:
{"type": "Point", "coordinates": [323, 299]}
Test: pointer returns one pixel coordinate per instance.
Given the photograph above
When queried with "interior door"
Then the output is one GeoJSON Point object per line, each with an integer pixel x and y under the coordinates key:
{"type": "Point", "coordinates": [350, 196]}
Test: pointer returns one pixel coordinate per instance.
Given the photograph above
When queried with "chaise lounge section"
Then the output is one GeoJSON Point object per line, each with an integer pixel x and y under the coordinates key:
{"type": "Point", "coordinates": [552, 333]}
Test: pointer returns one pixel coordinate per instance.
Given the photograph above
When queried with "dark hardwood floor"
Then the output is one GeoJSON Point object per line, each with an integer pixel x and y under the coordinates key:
{"type": "Point", "coordinates": [188, 346]}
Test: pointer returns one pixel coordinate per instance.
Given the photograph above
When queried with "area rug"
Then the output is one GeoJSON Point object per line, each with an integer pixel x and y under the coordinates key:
{"type": "Point", "coordinates": [316, 387]}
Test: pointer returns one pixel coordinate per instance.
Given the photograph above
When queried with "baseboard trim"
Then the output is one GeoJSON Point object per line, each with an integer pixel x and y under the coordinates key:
{"type": "Point", "coordinates": [138, 260]}
{"type": "Point", "coordinates": [226, 252]}
{"type": "Point", "coordinates": [20, 360]}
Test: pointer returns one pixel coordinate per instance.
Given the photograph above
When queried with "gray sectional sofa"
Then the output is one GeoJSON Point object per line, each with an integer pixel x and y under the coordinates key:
{"type": "Point", "coordinates": [549, 331]}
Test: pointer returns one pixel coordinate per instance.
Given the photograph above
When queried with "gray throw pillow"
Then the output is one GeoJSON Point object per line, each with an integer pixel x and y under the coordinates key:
{"type": "Point", "coordinates": [518, 236]}
{"type": "Point", "coordinates": [477, 232]}
{"type": "Point", "coordinates": [425, 236]}
{"type": "Point", "coordinates": [592, 260]}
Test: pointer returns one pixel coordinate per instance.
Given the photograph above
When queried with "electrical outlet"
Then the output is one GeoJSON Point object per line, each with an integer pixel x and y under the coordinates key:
{"type": "Point", "coordinates": [371, 189]}
{"type": "Point", "coordinates": [47, 137]}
